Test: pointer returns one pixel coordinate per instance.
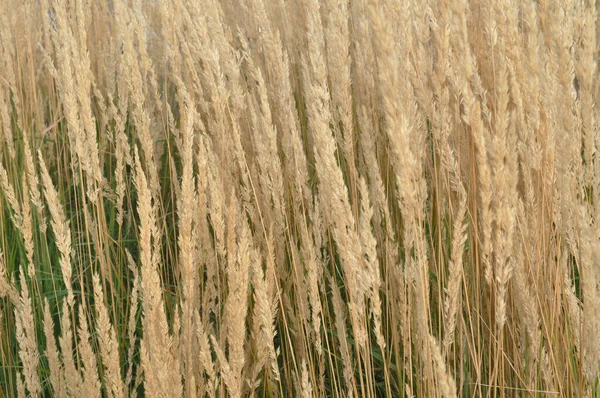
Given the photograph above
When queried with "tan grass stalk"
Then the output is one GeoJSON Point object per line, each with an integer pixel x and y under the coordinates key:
{"type": "Point", "coordinates": [313, 279]}
{"type": "Point", "coordinates": [586, 70]}
{"type": "Point", "coordinates": [442, 122]}
{"type": "Point", "coordinates": [372, 275]}
{"type": "Point", "coordinates": [57, 373]}
{"type": "Point", "coordinates": [382, 218]}
{"type": "Point", "coordinates": [265, 141]}
{"type": "Point", "coordinates": [7, 289]}
{"type": "Point", "coordinates": [123, 158]}
{"type": "Point", "coordinates": [77, 114]}
{"type": "Point", "coordinates": [7, 134]}
{"type": "Point", "coordinates": [306, 390]}
{"type": "Point", "coordinates": [302, 310]}
{"type": "Point", "coordinates": [590, 340]}
{"type": "Point", "coordinates": [473, 116]}
{"type": "Point", "coordinates": [216, 199]}
{"type": "Point", "coordinates": [337, 37]}
{"type": "Point", "coordinates": [504, 182]}
{"type": "Point", "coordinates": [131, 324]}
{"type": "Point", "coordinates": [229, 378]}
{"type": "Point", "coordinates": [60, 227]}
{"type": "Point", "coordinates": [85, 80]}
{"type": "Point", "coordinates": [405, 161]}
{"type": "Point", "coordinates": [227, 55]}
{"type": "Point", "coordinates": [284, 113]}
{"type": "Point", "coordinates": [205, 358]}
{"type": "Point", "coordinates": [21, 217]}
{"type": "Point", "coordinates": [73, 380]}
{"type": "Point", "coordinates": [573, 303]}
{"type": "Point", "coordinates": [187, 241]}
{"type": "Point", "coordinates": [91, 381]}
{"type": "Point", "coordinates": [32, 180]}
{"type": "Point", "coordinates": [340, 327]}
{"type": "Point", "coordinates": [11, 197]}
{"type": "Point", "coordinates": [455, 267]}
{"type": "Point", "coordinates": [133, 73]}
{"type": "Point", "coordinates": [236, 304]}
{"type": "Point", "coordinates": [208, 249]}
{"type": "Point", "coordinates": [446, 382]}
{"type": "Point", "coordinates": [364, 74]}
{"type": "Point", "coordinates": [333, 193]}
{"type": "Point", "coordinates": [20, 387]}
{"type": "Point", "coordinates": [107, 342]}
{"type": "Point", "coordinates": [26, 338]}
{"type": "Point", "coordinates": [28, 228]}
{"type": "Point", "coordinates": [530, 317]}
{"type": "Point", "coordinates": [265, 311]}
{"type": "Point", "coordinates": [158, 361]}
{"type": "Point", "coordinates": [7, 55]}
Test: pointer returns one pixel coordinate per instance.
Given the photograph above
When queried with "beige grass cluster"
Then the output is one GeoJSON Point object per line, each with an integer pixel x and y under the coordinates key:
{"type": "Point", "coordinates": [257, 198]}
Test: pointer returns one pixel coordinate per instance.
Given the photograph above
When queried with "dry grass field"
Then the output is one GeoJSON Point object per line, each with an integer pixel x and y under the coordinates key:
{"type": "Point", "coordinates": [301, 198]}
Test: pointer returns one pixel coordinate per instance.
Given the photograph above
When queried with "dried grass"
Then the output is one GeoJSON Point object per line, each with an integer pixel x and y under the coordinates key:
{"type": "Point", "coordinates": [351, 198]}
